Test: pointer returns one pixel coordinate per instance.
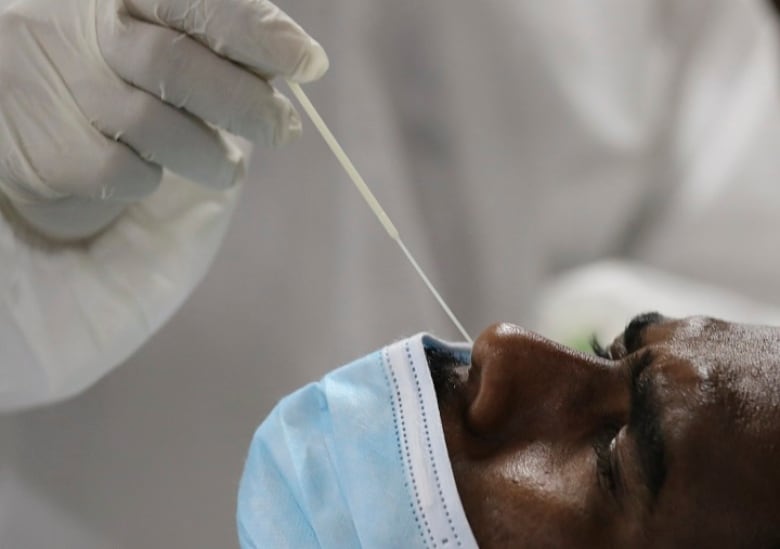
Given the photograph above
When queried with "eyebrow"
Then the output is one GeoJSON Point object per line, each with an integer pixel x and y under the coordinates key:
{"type": "Point", "coordinates": [644, 422]}
{"type": "Point", "coordinates": [632, 335]}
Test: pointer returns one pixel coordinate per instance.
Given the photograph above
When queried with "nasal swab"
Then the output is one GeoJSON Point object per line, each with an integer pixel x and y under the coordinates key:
{"type": "Point", "coordinates": [369, 197]}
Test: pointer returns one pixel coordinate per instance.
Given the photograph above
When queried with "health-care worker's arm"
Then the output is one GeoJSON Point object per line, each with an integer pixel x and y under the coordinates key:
{"type": "Point", "coordinates": [117, 173]}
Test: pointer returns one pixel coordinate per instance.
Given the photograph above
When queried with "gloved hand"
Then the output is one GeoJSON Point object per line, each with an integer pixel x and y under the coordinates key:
{"type": "Point", "coordinates": [98, 96]}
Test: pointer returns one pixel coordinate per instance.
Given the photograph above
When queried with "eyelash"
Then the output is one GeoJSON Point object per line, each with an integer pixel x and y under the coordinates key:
{"type": "Point", "coordinates": [605, 469]}
{"type": "Point", "coordinates": [607, 475]}
{"type": "Point", "coordinates": [599, 350]}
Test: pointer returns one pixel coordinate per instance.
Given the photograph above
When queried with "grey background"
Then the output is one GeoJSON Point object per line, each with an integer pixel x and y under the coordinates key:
{"type": "Point", "coordinates": [453, 112]}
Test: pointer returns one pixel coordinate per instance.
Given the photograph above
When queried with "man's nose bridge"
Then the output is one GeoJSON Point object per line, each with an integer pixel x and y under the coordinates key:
{"type": "Point", "coordinates": [528, 382]}
{"type": "Point", "coordinates": [578, 388]}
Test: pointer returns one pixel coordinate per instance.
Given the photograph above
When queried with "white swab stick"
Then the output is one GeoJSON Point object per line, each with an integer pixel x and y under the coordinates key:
{"type": "Point", "coordinates": [369, 197]}
{"type": "Point", "coordinates": [436, 294]}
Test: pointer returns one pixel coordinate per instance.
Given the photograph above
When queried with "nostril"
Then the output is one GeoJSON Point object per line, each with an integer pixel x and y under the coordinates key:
{"type": "Point", "coordinates": [483, 352]}
{"type": "Point", "coordinates": [491, 381]}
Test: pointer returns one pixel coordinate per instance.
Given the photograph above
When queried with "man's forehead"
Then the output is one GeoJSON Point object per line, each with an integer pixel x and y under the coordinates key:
{"type": "Point", "coordinates": [720, 382]}
{"type": "Point", "coordinates": [734, 365]}
{"type": "Point", "coordinates": [748, 391]}
{"type": "Point", "coordinates": [725, 345]}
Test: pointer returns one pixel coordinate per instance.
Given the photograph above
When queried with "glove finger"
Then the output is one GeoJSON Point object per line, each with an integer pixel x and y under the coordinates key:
{"type": "Point", "coordinates": [107, 170]}
{"type": "Point", "coordinates": [169, 137]}
{"type": "Point", "coordinates": [254, 33]}
{"type": "Point", "coordinates": [187, 75]}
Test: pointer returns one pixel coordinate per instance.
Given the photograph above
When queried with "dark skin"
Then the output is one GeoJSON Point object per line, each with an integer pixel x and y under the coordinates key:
{"type": "Point", "coordinates": [670, 439]}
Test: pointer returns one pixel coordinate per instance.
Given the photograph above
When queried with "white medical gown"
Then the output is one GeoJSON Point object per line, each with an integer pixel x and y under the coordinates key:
{"type": "Point", "coordinates": [511, 142]}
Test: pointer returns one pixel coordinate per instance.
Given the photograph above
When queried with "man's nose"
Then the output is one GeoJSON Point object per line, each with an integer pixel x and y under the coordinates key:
{"type": "Point", "coordinates": [523, 385]}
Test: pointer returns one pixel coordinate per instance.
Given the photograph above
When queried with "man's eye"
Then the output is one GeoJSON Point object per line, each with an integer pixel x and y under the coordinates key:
{"type": "Point", "coordinates": [606, 465]}
{"type": "Point", "coordinates": [599, 350]}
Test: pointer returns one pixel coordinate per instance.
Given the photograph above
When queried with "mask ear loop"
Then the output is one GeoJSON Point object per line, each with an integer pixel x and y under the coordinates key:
{"type": "Point", "coordinates": [369, 197]}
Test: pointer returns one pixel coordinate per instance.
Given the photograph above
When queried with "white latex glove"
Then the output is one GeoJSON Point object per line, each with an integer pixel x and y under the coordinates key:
{"type": "Point", "coordinates": [98, 96]}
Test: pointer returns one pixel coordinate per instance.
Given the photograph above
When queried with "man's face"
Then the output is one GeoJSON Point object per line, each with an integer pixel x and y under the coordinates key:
{"type": "Point", "coordinates": [672, 438]}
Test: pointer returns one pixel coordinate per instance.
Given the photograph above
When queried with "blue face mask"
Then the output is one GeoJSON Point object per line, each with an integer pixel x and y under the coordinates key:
{"type": "Point", "coordinates": [356, 460]}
